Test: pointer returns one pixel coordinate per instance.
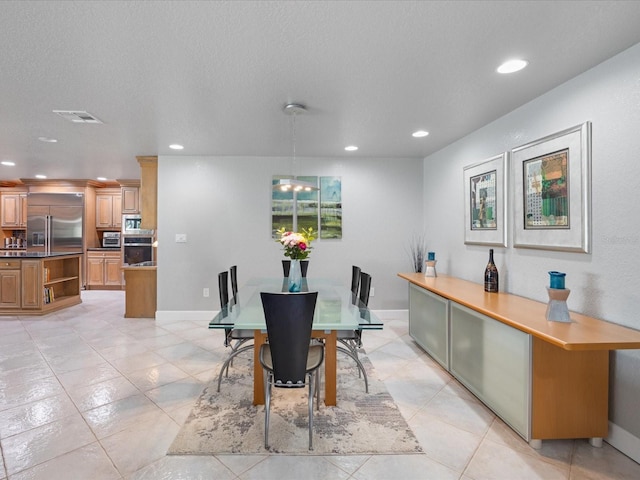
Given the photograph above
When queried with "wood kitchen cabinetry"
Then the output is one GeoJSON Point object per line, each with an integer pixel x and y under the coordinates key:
{"type": "Point", "coordinates": [141, 286]}
{"type": "Point", "coordinates": [130, 199]}
{"type": "Point", "coordinates": [109, 209]}
{"type": "Point", "coordinates": [10, 284]}
{"type": "Point", "coordinates": [148, 191]}
{"type": "Point", "coordinates": [35, 286]}
{"type": "Point", "coordinates": [104, 269]}
{"type": "Point", "coordinates": [14, 210]}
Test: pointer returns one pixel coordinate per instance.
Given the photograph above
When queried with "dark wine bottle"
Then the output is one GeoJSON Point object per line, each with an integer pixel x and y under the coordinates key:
{"type": "Point", "coordinates": [491, 275]}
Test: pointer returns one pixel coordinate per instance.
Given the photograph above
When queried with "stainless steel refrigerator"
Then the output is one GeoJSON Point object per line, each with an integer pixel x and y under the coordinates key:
{"type": "Point", "coordinates": [55, 222]}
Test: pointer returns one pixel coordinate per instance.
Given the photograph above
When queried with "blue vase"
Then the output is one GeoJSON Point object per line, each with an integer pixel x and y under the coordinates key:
{"type": "Point", "coordinates": [295, 276]}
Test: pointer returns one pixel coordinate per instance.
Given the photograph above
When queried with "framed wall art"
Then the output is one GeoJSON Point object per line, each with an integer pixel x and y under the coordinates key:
{"type": "Point", "coordinates": [485, 192]}
{"type": "Point", "coordinates": [552, 191]}
{"type": "Point", "coordinates": [331, 208]}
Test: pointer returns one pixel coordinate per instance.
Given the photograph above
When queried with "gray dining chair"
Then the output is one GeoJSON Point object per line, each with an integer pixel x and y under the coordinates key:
{"type": "Point", "coordinates": [289, 359]}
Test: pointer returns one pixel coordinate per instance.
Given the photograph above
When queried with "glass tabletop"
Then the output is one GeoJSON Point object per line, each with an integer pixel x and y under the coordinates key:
{"type": "Point", "coordinates": [335, 309]}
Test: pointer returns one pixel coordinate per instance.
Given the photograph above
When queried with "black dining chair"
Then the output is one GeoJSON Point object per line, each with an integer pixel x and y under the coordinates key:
{"type": "Point", "coordinates": [352, 339]}
{"type": "Point", "coordinates": [233, 271]}
{"type": "Point", "coordinates": [234, 338]}
{"type": "Point", "coordinates": [286, 267]}
{"type": "Point", "coordinates": [289, 359]}
{"type": "Point", "coordinates": [223, 289]}
{"type": "Point", "coordinates": [355, 282]}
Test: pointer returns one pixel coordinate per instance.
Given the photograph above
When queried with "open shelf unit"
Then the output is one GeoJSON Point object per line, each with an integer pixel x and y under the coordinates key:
{"type": "Point", "coordinates": [61, 282]}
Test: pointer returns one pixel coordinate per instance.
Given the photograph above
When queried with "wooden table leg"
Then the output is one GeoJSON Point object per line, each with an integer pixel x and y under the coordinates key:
{"type": "Point", "coordinates": [330, 368]}
{"type": "Point", "coordinates": [258, 381]}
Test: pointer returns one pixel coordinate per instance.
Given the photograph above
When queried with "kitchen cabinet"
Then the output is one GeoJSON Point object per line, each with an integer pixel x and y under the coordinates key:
{"type": "Point", "coordinates": [104, 269]}
{"type": "Point", "coordinates": [32, 292]}
{"type": "Point", "coordinates": [546, 380]}
{"type": "Point", "coordinates": [39, 285]}
{"type": "Point", "coordinates": [148, 192]}
{"type": "Point", "coordinates": [10, 284]}
{"type": "Point", "coordinates": [14, 210]}
{"type": "Point", "coordinates": [141, 291]}
{"type": "Point", "coordinates": [130, 200]}
{"type": "Point", "coordinates": [109, 209]}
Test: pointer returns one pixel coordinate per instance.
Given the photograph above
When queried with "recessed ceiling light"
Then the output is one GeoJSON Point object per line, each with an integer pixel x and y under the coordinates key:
{"type": "Point", "coordinates": [511, 66]}
{"type": "Point", "coordinates": [102, 179]}
{"type": "Point", "coordinates": [351, 148]}
{"type": "Point", "coordinates": [175, 146]}
{"type": "Point", "coordinates": [420, 133]}
{"type": "Point", "coordinates": [47, 139]}
{"type": "Point", "coordinates": [41, 176]}
{"type": "Point", "coordinates": [8, 163]}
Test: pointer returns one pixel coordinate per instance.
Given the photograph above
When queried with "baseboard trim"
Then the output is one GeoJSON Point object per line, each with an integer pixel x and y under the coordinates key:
{"type": "Point", "coordinates": [166, 316]}
{"type": "Point", "coordinates": [624, 441]}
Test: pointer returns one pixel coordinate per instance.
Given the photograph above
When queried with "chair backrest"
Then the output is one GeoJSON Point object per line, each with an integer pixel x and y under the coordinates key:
{"type": "Point", "coordinates": [289, 317]}
{"type": "Point", "coordinates": [304, 266]}
{"type": "Point", "coordinates": [234, 281]}
{"type": "Point", "coordinates": [286, 266]}
{"type": "Point", "coordinates": [223, 288]}
{"type": "Point", "coordinates": [355, 281]}
{"type": "Point", "coordinates": [365, 288]}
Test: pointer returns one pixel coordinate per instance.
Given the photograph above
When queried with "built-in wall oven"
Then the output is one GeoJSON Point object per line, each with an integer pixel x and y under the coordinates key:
{"type": "Point", "coordinates": [137, 249]}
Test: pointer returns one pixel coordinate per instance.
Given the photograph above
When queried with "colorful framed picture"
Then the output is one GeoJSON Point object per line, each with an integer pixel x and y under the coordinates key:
{"type": "Point", "coordinates": [485, 187]}
{"type": "Point", "coordinates": [552, 191]}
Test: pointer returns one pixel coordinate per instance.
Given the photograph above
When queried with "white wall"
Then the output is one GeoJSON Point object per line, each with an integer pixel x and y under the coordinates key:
{"type": "Point", "coordinates": [223, 204]}
{"type": "Point", "coordinates": [605, 283]}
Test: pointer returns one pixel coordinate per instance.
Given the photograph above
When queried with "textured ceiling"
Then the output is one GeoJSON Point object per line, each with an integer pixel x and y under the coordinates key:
{"type": "Point", "coordinates": [214, 76]}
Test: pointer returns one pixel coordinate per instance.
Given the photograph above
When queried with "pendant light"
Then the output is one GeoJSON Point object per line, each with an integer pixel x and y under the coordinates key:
{"type": "Point", "coordinates": [293, 184]}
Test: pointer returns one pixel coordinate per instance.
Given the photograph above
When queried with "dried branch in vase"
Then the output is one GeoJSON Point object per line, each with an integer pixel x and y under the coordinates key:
{"type": "Point", "coordinates": [418, 252]}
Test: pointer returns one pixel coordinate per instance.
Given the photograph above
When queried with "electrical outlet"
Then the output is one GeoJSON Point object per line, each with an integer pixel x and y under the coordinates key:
{"type": "Point", "coordinates": [205, 292]}
{"type": "Point", "coordinates": [181, 238]}
{"type": "Point", "coordinates": [372, 292]}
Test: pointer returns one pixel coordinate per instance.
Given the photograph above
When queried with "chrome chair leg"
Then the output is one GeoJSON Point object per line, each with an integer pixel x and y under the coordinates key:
{"type": "Point", "coordinates": [267, 410]}
{"type": "Point", "coordinates": [359, 364]}
{"type": "Point", "coordinates": [225, 365]}
{"type": "Point", "coordinates": [312, 382]}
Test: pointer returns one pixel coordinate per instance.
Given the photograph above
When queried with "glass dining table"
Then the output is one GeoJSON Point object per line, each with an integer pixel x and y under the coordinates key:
{"type": "Point", "coordinates": [335, 311]}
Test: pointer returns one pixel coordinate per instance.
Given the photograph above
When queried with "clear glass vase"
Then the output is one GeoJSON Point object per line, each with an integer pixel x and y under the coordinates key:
{"type": "Point", "coordinates": [295, 276]}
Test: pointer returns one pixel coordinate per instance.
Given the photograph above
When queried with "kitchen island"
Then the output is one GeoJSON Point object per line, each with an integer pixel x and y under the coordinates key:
{"type": "Point", "coordinates": [35, 283]}
{"type": "Point", "coordinates": [140, 290]}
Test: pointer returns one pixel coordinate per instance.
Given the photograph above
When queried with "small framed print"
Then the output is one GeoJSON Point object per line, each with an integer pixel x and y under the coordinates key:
{"type": "Point", "coordinates": [552, 191]}
{"type": "Point", "coordinates": [485, 187]}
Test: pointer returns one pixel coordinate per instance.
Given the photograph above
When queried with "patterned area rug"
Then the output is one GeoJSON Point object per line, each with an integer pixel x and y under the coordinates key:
{"type": "Point", "coordinates": [361, 423]}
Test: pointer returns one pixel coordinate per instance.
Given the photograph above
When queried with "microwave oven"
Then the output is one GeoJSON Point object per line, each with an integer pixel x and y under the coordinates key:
{"type": "Point", "coordinates": [111, 239]}
{"type": "Point", "coordinates": [131, 225]}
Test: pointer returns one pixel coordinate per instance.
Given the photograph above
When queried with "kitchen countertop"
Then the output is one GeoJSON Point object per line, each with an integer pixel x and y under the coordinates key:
{"type": "Point", "coordinates": [141, 266]}
{"type": "Point", "coordinates": [27, 254]}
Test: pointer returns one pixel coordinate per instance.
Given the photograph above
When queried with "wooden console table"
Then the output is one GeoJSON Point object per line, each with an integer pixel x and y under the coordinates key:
{"type": "Point", "coordinates": [547, 380]}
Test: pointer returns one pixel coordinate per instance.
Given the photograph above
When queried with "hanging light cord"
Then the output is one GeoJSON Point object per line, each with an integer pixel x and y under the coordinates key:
{"type": "Point", "coordinates": [294, 165]}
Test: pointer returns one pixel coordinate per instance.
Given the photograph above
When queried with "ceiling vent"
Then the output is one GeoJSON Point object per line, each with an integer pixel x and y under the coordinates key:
{"type": "Point", "coordinates": [77, 116]}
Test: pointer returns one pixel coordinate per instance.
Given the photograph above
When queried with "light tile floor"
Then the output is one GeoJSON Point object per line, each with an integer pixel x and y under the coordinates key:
{"type": "Point", "coordinates": [88, 394]}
